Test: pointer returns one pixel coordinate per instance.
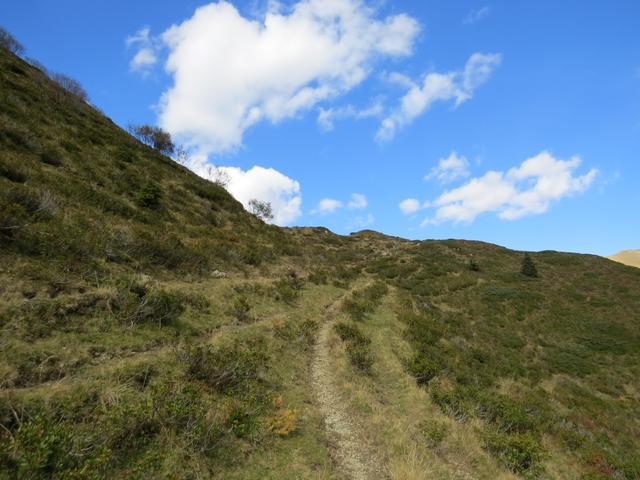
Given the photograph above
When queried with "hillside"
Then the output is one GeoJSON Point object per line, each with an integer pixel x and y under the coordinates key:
{"type": "Point", "coordinates": [628, 257]}
{"type": "Point", "coordinates": [151, 328]}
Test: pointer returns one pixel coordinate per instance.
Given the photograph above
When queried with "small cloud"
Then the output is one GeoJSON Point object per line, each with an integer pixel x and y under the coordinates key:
{"type": "Point", "coordinates": [409, 206]}
{"type": "Point", "coordinates": [476, 15]}
{"type": "Point", "coordinates": [146, 56]}
{"type": "Point", "coordinates": [449, 169]}
{"type": "Point", "coordinates": [144, 59]}
{"type": "Point", "coordinates": [458, 86]}
{"type": "Point", "coordinates": [327, 117]}
{"type": "Point", "coordinates": [528, 189]}
{"type": "Point", "coordinates": [362, 222]}
{"type": "Point", "coordinates": [358, 201]}
{"type": "Point", "coordinates": [327, 205]}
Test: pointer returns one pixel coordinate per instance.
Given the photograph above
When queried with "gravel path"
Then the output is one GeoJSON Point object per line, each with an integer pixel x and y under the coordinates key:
{"type": "Point", "coordinates": [356, 460]}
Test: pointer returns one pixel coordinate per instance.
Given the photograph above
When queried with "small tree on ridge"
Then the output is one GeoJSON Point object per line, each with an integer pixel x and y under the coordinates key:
{"type": "Point", "coordinates": [528, 267]}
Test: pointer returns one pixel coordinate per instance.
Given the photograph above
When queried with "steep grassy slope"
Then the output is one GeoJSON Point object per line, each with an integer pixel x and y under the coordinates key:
{"type": "Point", "coordinates": [150, 327]}
{"type": "Point", "coordinates": [628, 257]}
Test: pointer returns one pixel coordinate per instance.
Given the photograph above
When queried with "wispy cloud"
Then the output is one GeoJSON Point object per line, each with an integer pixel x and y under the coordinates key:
{"type": "Point", "coordinates": [449, 169]}
{"type": "Point", "coordinates": [362, 222]}
{"type": "Point", "coordinates": [476, 15]}
{"type": "Point", "coordinates": [146, 54]}
{"type": "Point", "coordinates": [358, 201]}
{"type": "Point", "coordinates": [327, 205]}
{"type": "Point", "coordinates": [327, 117]}
{"type": "Point", "coordinates": [458, 86]}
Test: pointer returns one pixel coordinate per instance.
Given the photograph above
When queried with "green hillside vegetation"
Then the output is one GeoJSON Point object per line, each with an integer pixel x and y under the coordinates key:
{"type": "Point", "coordinates": [150, 327]}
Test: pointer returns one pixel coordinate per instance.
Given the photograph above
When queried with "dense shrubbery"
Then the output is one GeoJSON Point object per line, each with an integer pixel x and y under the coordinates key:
{"type": "Point", "coordinates": [521, 453]}
{"type": "Point", "coordinates": [227, 367]}
{"type": "Point", "coordinates": [358, 346]}
{"type": "Point", "coordinates": [288, 289]}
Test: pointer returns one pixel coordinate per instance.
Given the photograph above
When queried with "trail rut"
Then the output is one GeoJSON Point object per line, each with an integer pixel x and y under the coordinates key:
{"type": "Point", "coordinates": [353, 456]}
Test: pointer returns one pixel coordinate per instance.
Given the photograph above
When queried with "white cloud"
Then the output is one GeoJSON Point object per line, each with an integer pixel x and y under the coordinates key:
{"type": "Point", "coordinates": [409, 206]}
{"type": "Point", "coordinates": [146, 56]}
{"type": "Point", "coordinates": [449, 169]}
{"type": "Point", "coordinates": [327, 117]}
{"type": "Point", "coordinates": [358, 201]}
{"type": "Point", "coordinates": [230, 72]}
{"type": "Point", "coordinates": [327, 205]}
{"type": "Point", "coordinates": [265, 184]}
{"type": "Point", "coordinates": [458, 86]}
{"type": "Point", "coordinates": [476, 15]}
{"type": "Point", "coordinates": [527, 189]}
{"type": "Point", "coordinates": [362, 222]}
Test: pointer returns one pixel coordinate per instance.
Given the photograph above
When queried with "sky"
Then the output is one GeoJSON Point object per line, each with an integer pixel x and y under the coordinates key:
{"type": "Point", "coordinates": [512, 122]}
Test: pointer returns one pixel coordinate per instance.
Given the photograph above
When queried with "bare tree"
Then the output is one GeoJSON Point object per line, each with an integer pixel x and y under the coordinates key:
{"type": "Point", "coordinates": [182, 156]}
{"type": "Point", "coordinates": [70, 85]}
{"type": "Point", "coordinates": [37, 64]}
{"type": "Point", "coordinates": [260, 209]}
{"type": "Point", "coordinates": [218, 176]}
{"type": "Point", "coordinates": [155, 137]}
{"type": "Point", "coordinates": [9, 42]}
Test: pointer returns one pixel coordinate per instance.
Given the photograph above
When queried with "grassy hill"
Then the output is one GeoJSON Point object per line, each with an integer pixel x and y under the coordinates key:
{"type": "Point", "coordinates": [151, 328]}
{"type": "Point", "coordinates": [628, 257]}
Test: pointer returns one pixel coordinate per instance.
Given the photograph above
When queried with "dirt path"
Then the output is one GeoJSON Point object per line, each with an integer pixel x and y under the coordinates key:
{"type": "Point", "coordinates": [356, 460]}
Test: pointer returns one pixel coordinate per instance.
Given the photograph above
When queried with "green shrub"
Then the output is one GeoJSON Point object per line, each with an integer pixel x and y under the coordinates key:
{"type": "Point", "coordinates": [149, 195]}
{"type": "Point", "coordinates": [433, 432]}
{"type": "Point", "coordinates": [507, 415]}
{"type": "Point", "coordinates": [288, 289]}
{"type": "Point", "coordinates": [42, 448]}
{"type": "Point", "coordinates": [227, 368]}
{"type": "Point", "coordinates": [358, 346]}
{"type": "Point", "coordinates": [350, 333]}
{"type": "Point", "coordinates": [51, 157]}
{"type": "Point", "coordinates": [521, 453]}
{"type": "Point", "coordinates": [135, 305]}
{"type": "Point", "coordinates": [528, 267]}
{"type": "Point", "coordinates": [12, 172]}
{"type": "Point", "coordinates": [241, 309]}
{"type": "Point", "coordinates": [423, 368]}
{"type": "Point", "coordinates": [452, 400]}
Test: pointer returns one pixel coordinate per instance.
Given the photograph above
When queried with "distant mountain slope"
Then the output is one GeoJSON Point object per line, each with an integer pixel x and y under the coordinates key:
{"type": "Point", "coordinates": [628, 257]}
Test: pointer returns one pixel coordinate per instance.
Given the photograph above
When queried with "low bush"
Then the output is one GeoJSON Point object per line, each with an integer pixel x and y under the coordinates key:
{"type": "Point", "coordinates": [288, 289]}
{"type": "Point", "coordinates": [433, 432]}
{"type": "Point", "coordinates": [227, 368]}
{"type": "Point", "coordinates": [51, 157]}
{"type": "Point", "coordinates": [149, 195]}
{"type": "Point", "coordinates": [135, 304]}
{"type": "Point", "coordinates": [423, 368]}
{"type": "Point", "coordinates": [241, 309]}
{"type": "Point", "coordinates": [12, 172]}
{"type": "Point", "coordinates": [521, 453]}
{"type": "Point", "coordinates": [358, 346]}
{"type": "Point", "coordinates": [506, 414]}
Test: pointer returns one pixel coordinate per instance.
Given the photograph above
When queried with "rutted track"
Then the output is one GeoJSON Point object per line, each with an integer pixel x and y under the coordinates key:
{"type": "Point", "coordinates": [353, 456]}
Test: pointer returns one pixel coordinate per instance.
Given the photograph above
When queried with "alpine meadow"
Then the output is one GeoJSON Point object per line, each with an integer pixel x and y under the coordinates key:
{"type": "Point", "coordinates": [154, 323]}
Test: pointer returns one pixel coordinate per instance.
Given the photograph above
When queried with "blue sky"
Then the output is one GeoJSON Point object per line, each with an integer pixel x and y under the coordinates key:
{"type": "Point", "coordinates": [516, 123]}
